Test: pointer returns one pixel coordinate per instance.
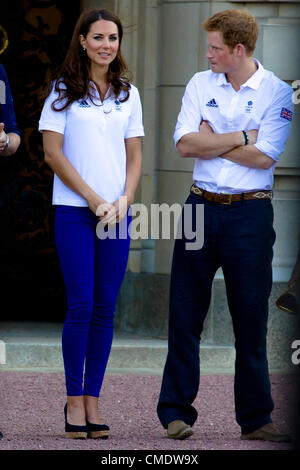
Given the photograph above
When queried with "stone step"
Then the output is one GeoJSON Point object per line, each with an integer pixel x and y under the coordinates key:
{"type": "Point", "coordinates": [32, 346]}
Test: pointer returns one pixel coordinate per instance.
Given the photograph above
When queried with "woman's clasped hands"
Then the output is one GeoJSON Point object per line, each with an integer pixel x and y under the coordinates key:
{"type": "Point", "coordinates": [110, 214]}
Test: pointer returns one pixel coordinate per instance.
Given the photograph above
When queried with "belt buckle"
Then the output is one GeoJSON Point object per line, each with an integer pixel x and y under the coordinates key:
{"type": "Point", "coordinates": [227, 203]}
{"type": "Point", "coordinates": [197, 190]}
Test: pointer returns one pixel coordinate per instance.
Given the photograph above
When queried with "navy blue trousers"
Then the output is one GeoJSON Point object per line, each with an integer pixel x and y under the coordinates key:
{"type": "Point", "coordinates": [239, 238]}
{"type": "Point", "coordinates": [93, 270]}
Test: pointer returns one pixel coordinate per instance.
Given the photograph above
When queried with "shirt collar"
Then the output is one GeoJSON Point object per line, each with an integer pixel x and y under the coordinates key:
{"type": "Point", "coordinates": [221, 80]}
{"type": "Point", "coordinates": [253, 82]}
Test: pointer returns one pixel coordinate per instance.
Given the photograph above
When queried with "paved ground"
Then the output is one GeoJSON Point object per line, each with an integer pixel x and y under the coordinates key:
{"type": "Point", "coordinates": [32, 414]}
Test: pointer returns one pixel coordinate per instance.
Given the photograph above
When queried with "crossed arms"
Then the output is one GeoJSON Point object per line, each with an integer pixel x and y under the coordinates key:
{"type": "Point", "coordinates": [206, 145]}
{"type": "Point", "coordinates": [195, 137]}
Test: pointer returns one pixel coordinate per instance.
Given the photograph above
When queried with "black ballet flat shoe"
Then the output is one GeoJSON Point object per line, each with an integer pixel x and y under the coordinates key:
{"type": "Point", "coordinates": [97, 431]}
{"type": "Point", "coordinates": [73, 431]}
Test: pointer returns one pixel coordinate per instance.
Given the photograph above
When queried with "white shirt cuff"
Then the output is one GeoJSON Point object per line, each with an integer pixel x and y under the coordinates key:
{"type": "Point", "coordinates": [267, 149]}
{"type": "Point", "coordinates": [179, 133]}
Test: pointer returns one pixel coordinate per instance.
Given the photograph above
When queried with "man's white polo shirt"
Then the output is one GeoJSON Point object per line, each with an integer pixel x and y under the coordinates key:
{"type": "Point", "coordinates": [94, 142]}
{"type": "Point", "coordinates": [264, 102]}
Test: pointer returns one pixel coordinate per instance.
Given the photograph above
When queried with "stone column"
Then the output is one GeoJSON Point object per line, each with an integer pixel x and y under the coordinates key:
{"type": "Point", "coordinates": [182, 51]}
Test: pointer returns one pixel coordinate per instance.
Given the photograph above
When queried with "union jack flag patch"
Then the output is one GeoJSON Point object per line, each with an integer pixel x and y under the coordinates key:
{"type": "Point", "coordinates": [286, 114]}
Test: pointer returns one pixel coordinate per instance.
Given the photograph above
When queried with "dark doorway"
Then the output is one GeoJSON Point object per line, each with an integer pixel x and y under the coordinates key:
{"type": "Point", "coordinates": [31, 284]}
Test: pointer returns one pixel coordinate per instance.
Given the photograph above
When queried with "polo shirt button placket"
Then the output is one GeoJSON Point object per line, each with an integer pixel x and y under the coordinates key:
{"type": "Point", "coordinates": [102, 117]}
{"type": "Point", "coordinates": [231, 112]}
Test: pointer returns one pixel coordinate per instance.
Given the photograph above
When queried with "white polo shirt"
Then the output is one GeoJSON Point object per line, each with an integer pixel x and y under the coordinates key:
{"type": "Point", "coordinates": [94, 142]}
{"type": "Point", "coordinates": [264, 102]}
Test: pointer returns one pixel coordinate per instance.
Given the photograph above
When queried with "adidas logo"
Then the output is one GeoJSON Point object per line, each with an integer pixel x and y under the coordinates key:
{"type": "Point", "coordinates": [212, 104]}
{"type": "Point", "coordinates": [84, 104]}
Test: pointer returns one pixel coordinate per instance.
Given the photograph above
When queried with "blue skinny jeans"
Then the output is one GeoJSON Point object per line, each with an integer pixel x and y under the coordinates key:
{"type": "Point", "coordinates": [93, 270]}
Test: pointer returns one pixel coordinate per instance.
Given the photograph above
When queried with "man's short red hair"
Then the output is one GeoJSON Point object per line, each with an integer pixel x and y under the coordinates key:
{"type": "Point", "coordinates": [236, 27]}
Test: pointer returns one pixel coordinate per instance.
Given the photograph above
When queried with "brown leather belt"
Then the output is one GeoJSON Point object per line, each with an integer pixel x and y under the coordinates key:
{"type": "Point", "coordinates": [225, 198]}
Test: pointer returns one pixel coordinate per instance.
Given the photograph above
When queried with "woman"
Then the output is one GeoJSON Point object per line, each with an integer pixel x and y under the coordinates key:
{"type": "Point", "coordinates": [92, 124]}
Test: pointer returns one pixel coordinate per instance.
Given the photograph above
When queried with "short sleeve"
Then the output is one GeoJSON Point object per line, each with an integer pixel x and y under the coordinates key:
{"type": "Point", "coordinates": [190, 116]}
{"type": "Point", "coordinates": [51, 120]}
{"type": "Point", "coordinates": [135, 126]}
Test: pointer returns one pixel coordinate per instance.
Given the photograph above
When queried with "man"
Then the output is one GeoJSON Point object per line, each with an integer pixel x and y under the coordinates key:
{"type": "Point", "coordinates": [9, 133]}
{"type": "Point", "coordinates": [244, 113]}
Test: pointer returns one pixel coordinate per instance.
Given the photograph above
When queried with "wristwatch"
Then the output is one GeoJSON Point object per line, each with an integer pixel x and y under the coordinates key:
{"type": "Point", "coordinates": [245, 137]}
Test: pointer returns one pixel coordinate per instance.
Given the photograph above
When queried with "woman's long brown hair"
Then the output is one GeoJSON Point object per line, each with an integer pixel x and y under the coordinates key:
{"type": "Point", "coordinates": [74, 74]}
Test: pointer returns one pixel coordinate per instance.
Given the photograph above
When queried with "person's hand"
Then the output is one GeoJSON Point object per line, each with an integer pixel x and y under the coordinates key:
{"type": "Point", "coordinates": [120, 207]}
{"type": "Point", "coordinates": [2, 137]}
{"type": "Point", "coordinates": [122, 204]}
{"type": "Point", "coordinates": [205, 128]}
{"type": "Point", "coordinates": [95, 202]}
{"type": "Point", "coordinates": [106, 213]}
